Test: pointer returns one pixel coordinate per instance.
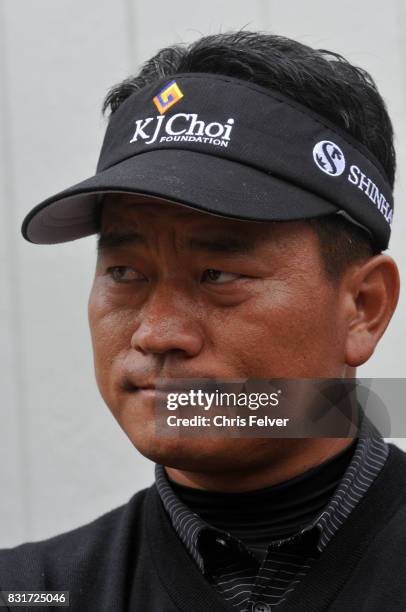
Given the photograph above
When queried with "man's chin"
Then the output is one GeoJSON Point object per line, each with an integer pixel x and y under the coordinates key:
{"type": "Point", "coordinates": [208, 455]}
{"type": "Point", "coordinates": [190, 454]}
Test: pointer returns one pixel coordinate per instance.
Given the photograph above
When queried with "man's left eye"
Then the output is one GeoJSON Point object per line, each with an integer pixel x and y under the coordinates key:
{"type": "Point", "coordinates": [219, 277]}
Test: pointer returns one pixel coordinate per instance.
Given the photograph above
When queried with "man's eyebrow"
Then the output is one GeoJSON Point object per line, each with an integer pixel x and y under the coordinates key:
{"type": "Point", "coordinates": [223, 244]}
{"type": "Point", "coordinates": [218, 244]}
{"type": "Point", "coordinates": [114, 239]}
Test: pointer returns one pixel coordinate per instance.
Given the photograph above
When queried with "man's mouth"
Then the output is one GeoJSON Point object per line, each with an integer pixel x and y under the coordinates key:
{"type": "Point", "coordinates": [131, 387]}
{"type": "Point", "coordinates": [132, 383]}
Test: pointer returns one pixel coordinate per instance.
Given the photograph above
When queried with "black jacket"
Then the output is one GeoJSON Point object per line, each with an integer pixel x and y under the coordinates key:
{"type": "Point", "coordinates": [131, 559]}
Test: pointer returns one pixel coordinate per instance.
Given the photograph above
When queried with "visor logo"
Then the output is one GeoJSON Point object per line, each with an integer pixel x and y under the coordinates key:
{"type": "Point", "coordinates": [182, 127]}
{"type": "Point", "coordinates": [329, 158]}
{"type": "Point", "coordinates": [167, 97]}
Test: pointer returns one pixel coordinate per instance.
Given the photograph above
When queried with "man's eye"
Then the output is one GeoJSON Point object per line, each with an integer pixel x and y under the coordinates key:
{"type": "Point", "coordinates": [219, 277]}
{"type": "Point", "coordinates": [124, 274]}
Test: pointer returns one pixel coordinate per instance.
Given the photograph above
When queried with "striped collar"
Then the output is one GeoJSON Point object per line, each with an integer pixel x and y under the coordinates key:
{"type": "Point", "coordinates": [369, 457]}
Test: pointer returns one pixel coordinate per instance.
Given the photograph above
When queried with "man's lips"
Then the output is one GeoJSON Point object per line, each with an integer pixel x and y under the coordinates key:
{"type": "Point", "coordinates": [132, 383]}
{"type": "Point", "coordinates": [132, 387]}
{"type": "Point", "coordinates": [151, 388]}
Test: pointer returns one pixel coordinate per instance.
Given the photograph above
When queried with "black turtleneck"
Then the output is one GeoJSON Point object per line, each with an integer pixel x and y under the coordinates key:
{"type": "Point", "coordinates": [271, 513]}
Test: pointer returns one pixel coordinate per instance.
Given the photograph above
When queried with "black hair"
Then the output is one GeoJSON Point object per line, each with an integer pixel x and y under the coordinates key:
{"type": "Point", "coordinates": [322, 80]}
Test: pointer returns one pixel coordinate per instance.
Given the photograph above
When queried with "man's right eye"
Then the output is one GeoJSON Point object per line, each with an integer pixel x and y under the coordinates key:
{"type": "Point", "coordinates": [124, 274]}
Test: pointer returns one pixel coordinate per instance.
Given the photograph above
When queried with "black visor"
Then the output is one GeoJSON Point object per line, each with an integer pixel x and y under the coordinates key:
{"type": "Point", "coordinates": [224, 146]}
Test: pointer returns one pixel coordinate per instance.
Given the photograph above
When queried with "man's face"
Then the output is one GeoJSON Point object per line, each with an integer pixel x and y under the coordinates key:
{"type": "Point", "coordinates": [194, 295]}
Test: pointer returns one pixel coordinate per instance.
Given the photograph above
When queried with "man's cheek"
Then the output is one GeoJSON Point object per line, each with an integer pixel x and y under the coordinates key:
{"type": "Point", "coordinates": [111, 329]}
{"type": "Point", "coordinates": [109, 346]}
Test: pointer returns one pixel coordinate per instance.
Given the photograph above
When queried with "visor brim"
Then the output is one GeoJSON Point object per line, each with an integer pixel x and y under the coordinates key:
{"type": "Point", "coordinates": [205, 182]}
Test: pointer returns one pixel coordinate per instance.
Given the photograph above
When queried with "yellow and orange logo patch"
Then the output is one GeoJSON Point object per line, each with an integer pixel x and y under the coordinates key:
{"type": "Point", "coordinates": [167, 97]}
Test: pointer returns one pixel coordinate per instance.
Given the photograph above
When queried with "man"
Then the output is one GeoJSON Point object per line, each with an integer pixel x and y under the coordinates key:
{"type": "Point", "coordinates": [242, 200]}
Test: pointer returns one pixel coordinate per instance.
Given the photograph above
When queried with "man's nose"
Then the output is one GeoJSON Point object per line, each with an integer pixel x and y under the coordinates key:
{"type": "Point", "coordinates": [168, 321]}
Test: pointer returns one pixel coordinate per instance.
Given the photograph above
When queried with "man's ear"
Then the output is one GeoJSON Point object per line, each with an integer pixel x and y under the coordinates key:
{"type": "Point", "coordinates": [371, 293]}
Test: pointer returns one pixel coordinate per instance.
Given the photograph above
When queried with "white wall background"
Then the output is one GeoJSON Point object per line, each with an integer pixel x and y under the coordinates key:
{"type": "Point", "coordinates": [63, 458]}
